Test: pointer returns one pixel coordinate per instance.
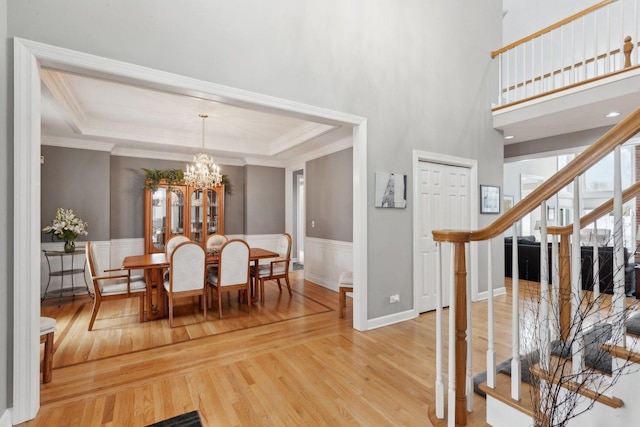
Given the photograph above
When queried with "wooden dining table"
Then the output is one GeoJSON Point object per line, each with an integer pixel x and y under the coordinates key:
{"type": "Point", "coordinates": [154, 265]}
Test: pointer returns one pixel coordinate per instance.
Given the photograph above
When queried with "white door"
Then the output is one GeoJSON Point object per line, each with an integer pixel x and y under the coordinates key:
{"type": "Point", "coordinates": [443, 203]}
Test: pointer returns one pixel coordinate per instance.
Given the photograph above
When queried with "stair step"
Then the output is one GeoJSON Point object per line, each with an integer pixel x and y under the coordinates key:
{"type": "Point", "coordinates": [563, 368]}
{"type": "Point", "coordinates": [502, 392]}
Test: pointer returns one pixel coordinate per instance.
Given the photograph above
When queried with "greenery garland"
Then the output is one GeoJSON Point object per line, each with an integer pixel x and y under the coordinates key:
{"type": "Point", "coordinates": [173, 177]}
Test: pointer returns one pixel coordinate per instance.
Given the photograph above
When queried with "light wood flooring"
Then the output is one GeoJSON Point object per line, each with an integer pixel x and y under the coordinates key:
{"type": "Point", "coordinates": [291, 362]}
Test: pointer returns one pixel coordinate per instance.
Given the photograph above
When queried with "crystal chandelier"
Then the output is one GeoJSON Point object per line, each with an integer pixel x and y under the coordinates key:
{"type": "Point", "coordinates": [203, 173]}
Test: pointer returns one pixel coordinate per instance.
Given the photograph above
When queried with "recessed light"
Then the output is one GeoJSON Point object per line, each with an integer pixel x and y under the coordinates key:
{"type": "Point", "coordinates": [509, 137]}
{"type": "Point", "coordinates": [612, 114]}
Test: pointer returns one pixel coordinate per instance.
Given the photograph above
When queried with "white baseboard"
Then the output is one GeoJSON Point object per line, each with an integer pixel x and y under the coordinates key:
{"type": "Point", "coordinates": [5, 419]}
{"type": "Point", "coordinates": [496, 292]}
{"type": "Point", "coordinates": [390, 319]}
{"type": "Point", "coordinates": [324, 260]}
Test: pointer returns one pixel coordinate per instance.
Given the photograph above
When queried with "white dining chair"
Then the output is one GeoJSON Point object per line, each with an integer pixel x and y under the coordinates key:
{"type": "Point", "coordinates": [111, 287]}
{"type": "Point", "coordinates": [187, 277]}
{"type": "Point", "coordinates": [232, 273]}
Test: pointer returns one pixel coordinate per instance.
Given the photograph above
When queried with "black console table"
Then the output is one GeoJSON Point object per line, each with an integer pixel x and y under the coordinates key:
{"type": "Point", "coordinates": [67, 270]}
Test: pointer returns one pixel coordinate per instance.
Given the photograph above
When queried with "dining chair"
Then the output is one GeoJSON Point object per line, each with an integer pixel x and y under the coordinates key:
{"type": "Point", "coordinates": [215, 242]}
{"type": "Point", "coordinates": [47, 329]}
{"type": "Point", "coordinates": [171, 245]}
{"type": "Point", "coordinates": [111, 287]}
{"type": "Point", "coordinates": [345, 285]}
{"type": "Point", "coordinates": [277, 269]}
{"type": "Point", "coordinates": [233, 272]}
{"type": "Point", "coordinates": [187, 275]}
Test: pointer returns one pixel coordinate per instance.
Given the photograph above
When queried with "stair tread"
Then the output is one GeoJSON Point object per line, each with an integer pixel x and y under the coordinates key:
{"type": "Point", "coordinates": [502, 392]}
{"type": "Point", "coordinates": [563, 368]}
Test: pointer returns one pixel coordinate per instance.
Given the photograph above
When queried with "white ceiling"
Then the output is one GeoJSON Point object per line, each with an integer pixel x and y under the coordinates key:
{"type": "Point", "coordinates": [124, 119]}
{"type": "Point", "coordinates": [85, 112]}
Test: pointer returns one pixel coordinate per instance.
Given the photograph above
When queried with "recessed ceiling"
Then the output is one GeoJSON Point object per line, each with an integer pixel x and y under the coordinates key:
{"type": "Point", "coordinates": [86, 112]}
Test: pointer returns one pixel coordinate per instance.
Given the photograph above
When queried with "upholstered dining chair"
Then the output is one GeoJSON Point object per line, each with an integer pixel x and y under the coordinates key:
{"type": "Point", "coordinates": [170, 247]}
{"type": "Point", "coordinates": [110, 287]}
{"type": "Point", "coordinates": [215, 242]}
{"type": "Point", "coordinates": [47, 329]}
{"type": "Point", "coordinates": [277, 269]}
{"type": "Point", "coordinates": [187, 275]}
{"type": "Point", "coordinates": [233, 272]}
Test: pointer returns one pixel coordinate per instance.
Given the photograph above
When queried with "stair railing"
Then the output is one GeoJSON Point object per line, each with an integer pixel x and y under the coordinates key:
{"type": "Point", "coordinates": [458, 375]}
{"type": "Point", "coordinates": [588, 45]}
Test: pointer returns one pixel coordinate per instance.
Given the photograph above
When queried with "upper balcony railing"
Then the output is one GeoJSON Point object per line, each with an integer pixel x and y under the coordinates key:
{"type": "Point", "coordinates": [591, 44]}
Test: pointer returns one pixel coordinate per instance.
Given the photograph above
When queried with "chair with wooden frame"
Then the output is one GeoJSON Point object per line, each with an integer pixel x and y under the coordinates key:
{"type": "Point", "coordinates": [171, 245]}
{"type": "Point", "coordinates": [345, 285]}
{"type": "Point", "coordinates": [187, 275]}
{"type": "Point", "coordinates": [233, 272]}
{"type": "Point", "coordinates": [47, 329]}
{"type": "Point", "coordinates": [277, 269]}
{"type": "Point", "coordinates": [111, 287]}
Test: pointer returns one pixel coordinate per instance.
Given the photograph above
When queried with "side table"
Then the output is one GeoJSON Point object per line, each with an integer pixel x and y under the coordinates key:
{"type": "Point", "coordinates": [67, 270]}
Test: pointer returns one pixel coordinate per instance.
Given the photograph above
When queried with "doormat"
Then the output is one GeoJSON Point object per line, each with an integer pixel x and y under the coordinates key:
{"type": "Point", "coordinates": [190, 419]}
{"type": "Point", "coordinates": [298, 266]}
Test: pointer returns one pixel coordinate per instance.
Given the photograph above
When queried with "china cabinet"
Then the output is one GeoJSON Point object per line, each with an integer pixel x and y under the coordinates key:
{"type": "Point", "coordinates": [181, 209]}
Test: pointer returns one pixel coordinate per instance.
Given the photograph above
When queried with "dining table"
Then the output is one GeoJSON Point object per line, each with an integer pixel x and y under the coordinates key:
{"type": "Point", "coordinates": [154, 265]}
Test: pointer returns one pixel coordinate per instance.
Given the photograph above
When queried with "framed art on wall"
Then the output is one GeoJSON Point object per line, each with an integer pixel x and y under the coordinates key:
{"type": "Point", "coordinates": [390, 190]}
{"type": "Point", "coordinates": [489, 199]}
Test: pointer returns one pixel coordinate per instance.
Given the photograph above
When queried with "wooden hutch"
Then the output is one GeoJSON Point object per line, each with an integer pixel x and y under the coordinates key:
{"type": "Point", "coordinates": [172, 209]}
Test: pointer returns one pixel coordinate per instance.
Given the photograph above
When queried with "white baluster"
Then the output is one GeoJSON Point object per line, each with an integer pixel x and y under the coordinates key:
{"type": "Point", "coordinates": [618, 247]}
{"type": "Point", "coordinates": [576, 286]}
{"type": "Point", "coordinates": [608, 55]}
{"type": "Point", "coordinates": [555, 288]}
{"type": "Point", "coordinates": [544, 290]}
{"type": "Point", "coordinates": [452, 341]}
{"type": "Point", "coordinates": [515, 320]}
{"type": "Point", "coordinates": [439, 367]}
{"type": "Point", "coordinates": [469, 370]}
{"type": "Point", "coordinates": [500, 85]}
{"type": "Point", "coordinates": [596, 274]}
{"type": "Point", "coordinates": [491, 352]}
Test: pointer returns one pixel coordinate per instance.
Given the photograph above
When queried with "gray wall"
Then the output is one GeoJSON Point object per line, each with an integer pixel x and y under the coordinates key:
{"type": "Point", "coordinates": [264, 200]}
{"type": "Point", "coordinates": [329, 202]}
{"type": "Point", "coordinates": [567, 143]}
{"type": "Point", "coordinates": [407, 67]}
{"type": "Point", "coordinates": [6, 215]}
{"type": "Point", "coordinates": [78, 180]}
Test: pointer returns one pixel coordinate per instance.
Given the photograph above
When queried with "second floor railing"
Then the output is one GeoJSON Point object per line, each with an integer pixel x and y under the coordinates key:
{"type": "Point", "coordinates": [591, 44]}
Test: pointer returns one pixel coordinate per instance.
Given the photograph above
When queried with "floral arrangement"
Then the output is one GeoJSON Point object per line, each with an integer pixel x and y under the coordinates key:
{"type": "Point", "coordinates": [67, 226]}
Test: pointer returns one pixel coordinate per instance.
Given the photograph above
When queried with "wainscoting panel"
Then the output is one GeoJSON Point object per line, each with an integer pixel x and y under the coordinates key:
{"type": "Point", "coordinates": [324, 260]}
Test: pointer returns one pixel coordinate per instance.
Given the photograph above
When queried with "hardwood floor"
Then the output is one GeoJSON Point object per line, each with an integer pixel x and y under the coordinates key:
{"type": "Point", "coordinates": [291, 362]}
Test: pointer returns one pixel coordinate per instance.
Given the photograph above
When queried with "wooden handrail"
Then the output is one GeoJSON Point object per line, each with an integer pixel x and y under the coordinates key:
{"type": "Point", "coordinates": [552, 27]}
{"type": "Point", "coordinates": [628, 194]}
{"type": "Point", "coordinates": [617, 135]}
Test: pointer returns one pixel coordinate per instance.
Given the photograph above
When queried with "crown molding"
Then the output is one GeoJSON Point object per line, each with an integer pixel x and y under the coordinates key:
{"type": "Point", "coordinates": [81, 144]}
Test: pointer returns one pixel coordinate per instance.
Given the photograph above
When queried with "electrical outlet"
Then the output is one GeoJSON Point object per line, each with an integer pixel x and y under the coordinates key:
{"type": "Point", "coordinates": [394, 299]}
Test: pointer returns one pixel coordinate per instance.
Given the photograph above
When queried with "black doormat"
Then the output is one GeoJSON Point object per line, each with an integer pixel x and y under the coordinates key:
{"type": "Point", "coordinates": [190, 419]}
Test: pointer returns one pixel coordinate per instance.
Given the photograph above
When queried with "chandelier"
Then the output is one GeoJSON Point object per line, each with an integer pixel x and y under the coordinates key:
{"type": "Point", "coordinates": [203, 173]}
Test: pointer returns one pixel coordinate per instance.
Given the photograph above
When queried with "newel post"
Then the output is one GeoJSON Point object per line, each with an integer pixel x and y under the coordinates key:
{"type": "Point", "coordinates": [458, 239]}
{"type": "Point", "coordinates": [565, 286]}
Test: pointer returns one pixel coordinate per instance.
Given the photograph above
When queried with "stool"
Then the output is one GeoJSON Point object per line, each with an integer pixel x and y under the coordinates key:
{"type": "Point", "coordinates": [47, 329]}
{"type": "Point", "coordinates": [346, 285]}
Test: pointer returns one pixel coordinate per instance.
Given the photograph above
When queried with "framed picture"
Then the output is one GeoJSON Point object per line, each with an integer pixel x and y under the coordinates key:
{"type": "Point", "coordinates": [489, 199]}
{"type": "Point", "coordinates": [551, 213]}
{"type": "Point", "coordinates": [507, 202]}
{"type": "Point", "coordinates": [390, 190]}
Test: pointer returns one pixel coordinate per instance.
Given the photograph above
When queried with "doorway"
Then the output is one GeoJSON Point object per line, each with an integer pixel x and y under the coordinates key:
{"type": "Point", "coordinates": [29, 58]}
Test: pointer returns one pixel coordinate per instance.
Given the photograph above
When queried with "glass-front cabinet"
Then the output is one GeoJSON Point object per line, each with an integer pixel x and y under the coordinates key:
{"type": "Point", "coordinates": [181, 209]}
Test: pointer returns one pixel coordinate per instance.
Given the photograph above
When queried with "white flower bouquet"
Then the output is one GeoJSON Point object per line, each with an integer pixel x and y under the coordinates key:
{"type": "Point", "coordinates": [67, 226]}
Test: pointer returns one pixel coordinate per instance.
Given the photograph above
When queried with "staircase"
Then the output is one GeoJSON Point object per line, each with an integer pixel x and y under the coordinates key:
{"type": "Point", "coordinates": [571, 346]}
